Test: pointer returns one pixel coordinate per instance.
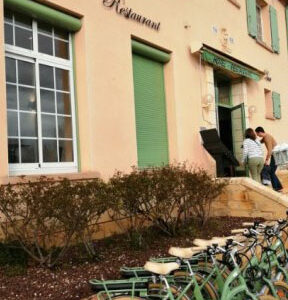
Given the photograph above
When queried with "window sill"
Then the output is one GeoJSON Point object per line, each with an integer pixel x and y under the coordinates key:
{"type": "Point", "coordinates": [264, 45]}
{"type": "Point", "coordinates": [34, 178]}
{"type": "Point", "coordinates": [235, 3]}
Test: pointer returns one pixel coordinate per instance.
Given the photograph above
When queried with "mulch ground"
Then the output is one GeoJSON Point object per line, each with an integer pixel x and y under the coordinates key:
{"type": "Point", "coordinates": [71, 280]}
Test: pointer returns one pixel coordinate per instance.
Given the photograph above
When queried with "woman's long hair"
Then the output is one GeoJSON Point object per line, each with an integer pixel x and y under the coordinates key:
{"type": "Point", "coordinates": [250, 134]}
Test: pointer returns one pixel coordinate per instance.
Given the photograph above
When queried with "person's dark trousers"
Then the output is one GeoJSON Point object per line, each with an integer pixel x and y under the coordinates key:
{"type": "Point", "coordinates": [276, 184]}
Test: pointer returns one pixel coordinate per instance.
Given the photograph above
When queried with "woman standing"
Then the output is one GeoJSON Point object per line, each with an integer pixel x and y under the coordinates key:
{"type": "Point", "coordinates": [253, 154]}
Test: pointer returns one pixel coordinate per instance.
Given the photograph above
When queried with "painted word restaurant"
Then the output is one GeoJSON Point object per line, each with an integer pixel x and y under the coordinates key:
{"type": "Point", "coordinates": [95, 86]}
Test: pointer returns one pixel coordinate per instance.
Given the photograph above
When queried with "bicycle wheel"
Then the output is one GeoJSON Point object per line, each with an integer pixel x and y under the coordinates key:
{"type": "Point", "coordinates": [208, 291]}
{"type": "Point", "coordinates": [205, 269]}
{"type": "Point", "coordinates": [159, 291]}
{"type": "Point", "coordinates": [281, 289]}
{"type": "Point", "coordinates": [243, 296]}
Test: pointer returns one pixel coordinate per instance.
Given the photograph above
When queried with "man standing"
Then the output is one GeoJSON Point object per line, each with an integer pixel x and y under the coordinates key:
{"type": "Point", "coordinates": [270, 143]}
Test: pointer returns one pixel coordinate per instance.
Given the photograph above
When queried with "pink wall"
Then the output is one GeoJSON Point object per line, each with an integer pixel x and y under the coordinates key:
{"type": "Point", "coordinates": [105, 81]}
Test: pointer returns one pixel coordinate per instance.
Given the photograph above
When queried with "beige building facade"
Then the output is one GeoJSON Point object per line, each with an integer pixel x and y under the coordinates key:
{"type": "Point", "coordinates": [103, 85]}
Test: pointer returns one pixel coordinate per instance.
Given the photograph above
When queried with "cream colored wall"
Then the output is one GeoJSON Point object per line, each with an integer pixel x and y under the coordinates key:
{"type": "Point", "coordinates": [3, 114]}
{"type": "Point", "coordinates": [105, 81]}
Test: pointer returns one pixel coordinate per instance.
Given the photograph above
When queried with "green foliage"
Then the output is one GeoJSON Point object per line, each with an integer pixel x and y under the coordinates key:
{"type": "Point", "coordinates": [44, 212]}
{"type": "Point", "coordinates": [165, 197]}
{"type": "Point", "coordinates": [200, 191]}
{"type": "Point", "coordinates": [40, 214]}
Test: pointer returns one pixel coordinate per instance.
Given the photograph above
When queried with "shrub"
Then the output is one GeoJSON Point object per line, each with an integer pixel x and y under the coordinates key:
{"type": "Point", "coordinates": [200, 191]}
{"type": "Point", "coordinates": [78, 206]}
{"type": "Point", "coordinates": [164, 196]}
{"type": "Point", "coordinates": [41, 214]}
{"type": "Point", "coordinates": [125, 192]}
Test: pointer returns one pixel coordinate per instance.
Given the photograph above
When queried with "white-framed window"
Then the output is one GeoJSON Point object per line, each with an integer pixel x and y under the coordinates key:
{"type": "Point", "coordinates": [259, 22]}
{"type": "Point", "coordinates": [40, 97]}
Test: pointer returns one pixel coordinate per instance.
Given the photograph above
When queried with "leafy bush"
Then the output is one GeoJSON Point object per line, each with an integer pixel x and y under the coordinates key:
{"type": "Point", "coordinates": [165, 197]}
{"type": "Point", "coordinates": [125, 192]}
{"type": "Point", "coordinates": [78, 207]}
{"type": "Point", "coordinates": [200, 191]}
{"type": "Point", "coordinates": [40, 214]}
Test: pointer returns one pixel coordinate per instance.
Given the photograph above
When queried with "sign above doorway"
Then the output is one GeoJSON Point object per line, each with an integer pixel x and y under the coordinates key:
{"type": "Point", "coordinates": [130, 14]}
{"type": "Point", "coordinates": [228, 64]}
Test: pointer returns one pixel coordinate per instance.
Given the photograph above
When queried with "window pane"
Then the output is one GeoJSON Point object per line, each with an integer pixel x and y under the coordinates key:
{"type": "Point", "coordinates": [63, 103]}
{"type": "Point", "coordinates": [13, 151]}
{"type": "Point", "coordinates": [48, 126]}
{"type": "Point", "coordinates": [64, 127]}
{"type": "Point", "coordinates": [61, 34]}
{"type": "Point", "coordinates": [50, 151]}
{"type": "Point", "coordinates": [23, 38]}
{"type": "Point", "coordinates": [29, 151]}
{"type": "Point", "coordinates": [27, 99]}
{"type": "Point", "coordinates": [8, 34]}
{"type": "Point", "coordinates": [45, 28]}
{"type": "Point", "coordinates": [26, 73]}
{"type": "Point", "coordinates": [28, 124]}
{"type": "Point", "coordinates": [62, 79]}
{"type": "Point", "coordinates": [23, 21]}
{"type": "Point", "coordinates": [46, 77]}
{"type": "Point", "coordinates": [47, 101]}
{"type": "Point", "coordinates": [12, 123]}
{"type": "Point", "coordinates": [65, 151]}
{"type": "Point", "coordinates": [61, 49]}
{"type": "Point", "coordinates": [11, 95]}
{"type": "Point", "coordinates": [10, 70]}
{"type": "Point", "coordinates": [8, 16]}
{"type": "Point", "coordinates": [45, 44]}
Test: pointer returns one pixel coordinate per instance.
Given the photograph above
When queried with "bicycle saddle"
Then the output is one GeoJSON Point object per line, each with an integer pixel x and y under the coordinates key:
{"type": "Point", "coordinates": [161, 268]}
{"type": "Point", "coordinates": [220, 241]}
{"type": "Point", "coordinates": [185, 252]}
{"type": "Point", "coordinates": [204, 243]}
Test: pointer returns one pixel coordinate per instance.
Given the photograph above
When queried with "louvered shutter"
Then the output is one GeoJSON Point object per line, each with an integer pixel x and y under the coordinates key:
{"type": "Point", "coordinates": [150, 109]}
{"type": "Point", "coordinates": [276, 105]}
{"type": "Point", "coordinates": [251, 17]}
{"type": "Point", "coordinates": [274, 30]}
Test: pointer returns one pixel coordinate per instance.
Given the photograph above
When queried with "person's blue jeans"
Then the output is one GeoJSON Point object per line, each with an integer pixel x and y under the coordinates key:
{"type": "Point", "coordinates": [276, 184]}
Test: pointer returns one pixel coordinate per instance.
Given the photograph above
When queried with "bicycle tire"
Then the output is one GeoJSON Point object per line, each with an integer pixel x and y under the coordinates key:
{"type": "Point", "coordinates": [281, 289]}
{"type": "Point", "coordinates": [159, 286]}
{"type": "Point", "coordinates": [208, 291]}
{"type": "Point", "coordinates": [205, 269]}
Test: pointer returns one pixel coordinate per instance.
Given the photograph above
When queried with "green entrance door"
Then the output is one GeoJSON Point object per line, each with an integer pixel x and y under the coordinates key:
{"type": "Point", "coordinates": [238, 129]}
{"type": "Point", "coordinates": [230, 119]}
{"type": "Point", "coordinates": [150, 110]}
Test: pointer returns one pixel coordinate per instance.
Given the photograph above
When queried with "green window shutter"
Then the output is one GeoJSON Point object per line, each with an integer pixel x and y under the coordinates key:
{"type": "Point", "coordinates": [44, 13]}
{"type": "Point", "coordinates": [274, 30]}
{"type": "Point", "coordinates": [150, 52]}
{"type": "Point", "coordinates": [251, 17]}
{"type": "Point", "coordinates": [150, 110]}
{"type": "Point", "coordinates": [276, 105]}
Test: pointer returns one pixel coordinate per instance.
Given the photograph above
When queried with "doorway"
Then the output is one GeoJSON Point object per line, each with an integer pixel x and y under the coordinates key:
{"type": "Point", "coordinates": [225, 127]}
{"type": "Point", "coordinates": [230, 119]}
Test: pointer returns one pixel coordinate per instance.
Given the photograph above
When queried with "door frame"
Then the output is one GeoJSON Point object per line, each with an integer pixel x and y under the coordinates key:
{"type": "Point", "coordinates": [243, 117]}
